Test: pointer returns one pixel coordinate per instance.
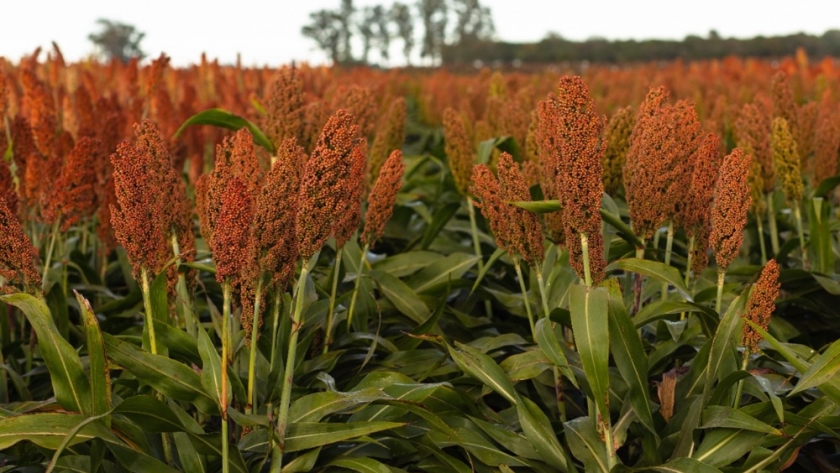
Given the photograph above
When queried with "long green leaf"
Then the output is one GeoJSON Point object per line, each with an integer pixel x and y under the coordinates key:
{"type": "Point", "coordinates": [306, 435]}
{"type": "Point", "coordinates": [586, 444]}
{"type": "Point", "coordinates": [442, 271]}
{"type": "Point", "coordinates": [362, 465]}
{"type": "Point", "coordinates": [100, 378]}
{"type": "Point", "coordinates": [224, 119]}
{"type": "Point", "coordinates": [653, 269]}
{"type": "Point", "coordinates": [589, 309]}
{"type": "Point", "coordinates": [481, 367]}
{"type": "Point", "coordinates": [629, 355]}
{"type": "Point", "coordinates": [401, 295]}
{"type": "Point", "coordinates": [537, 429]}
{"type": "Point", "coordinates": [548, 343]}
{"type": "Point", "coordinates": [822, 370]}
{"type": "Point", "coordinates": [70, 383]}
{"type": "Point", "coordinates": [48, 430]}
{"type": "Point", "coordinates": [165, 375]}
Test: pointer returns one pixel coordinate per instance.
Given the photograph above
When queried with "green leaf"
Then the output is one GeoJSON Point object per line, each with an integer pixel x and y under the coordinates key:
{"type": "Point", "coordinates": [401, 295]}
{"type": "Point", "coordinates": [684, 465]}
{"type": "Point", "coordinates": [726, 417]}
{"type": "Point", "coordinates": [481, 367]}
{"type": "Point", "coordinates": [826, 186]}
{"type": "Point", "coordinates": [223, 119]}
{"type": "Point", "coordinates": [722, 342]}
{"type": "Point", "coordinates": [306, 435]}
{"type": "Point", "coordinates": [211, 369]}
{"type": "Point", "coordinates": [653, 269]}
{"type": "Point", "coordinates": [70, 383]}
{"type": "Point", "coordinates": [589, 310]}
{"type": "Point", "coordinates": [49, 429]}
{"type": "Point", "coordinates": [314, 407]}
{"type": "Point", "coordinates": [406, 264]}
{"type": "Point", "coordinates": [442, 271]}
{"type": "Point", "coordinates": [439, 220]}
{"type": "Point", "coordinates": [100, 378]}
{"type": "Point", "coordinates": [495, 256]}
{"type": "Point", "coordinates": [548, 343]}
{"type": "Point", "coordinates": [302, 463]}
{"type": "Point", "coordinates": [362, 465]}
{"type": "Point", "coordinates": [539, 206]}
{"type": "Point", "coordinates": [168, 376]}
{"type": "Point", "coordinates": [537, 429]}
{"type": "Point", "coordinates": [586, 444]}
{"type": "Point", "coordinates": [629, 355]}
{"type": "Point", "coordinates": [823, 369]}
{"type": "Point", "coordinates": [624, 230]}
{"type": "Point", "coordinates": [722, 447]}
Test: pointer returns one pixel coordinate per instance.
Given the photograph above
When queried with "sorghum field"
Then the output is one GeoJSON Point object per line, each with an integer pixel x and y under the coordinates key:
{"type": "Point", "coordinates": [218, 268]}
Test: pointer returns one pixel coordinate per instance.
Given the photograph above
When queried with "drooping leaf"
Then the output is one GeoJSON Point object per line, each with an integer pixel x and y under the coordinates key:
{"type": "Point", "coordinates": [70, 383]}
{"type": "Point", "coordinates": [223, 119]}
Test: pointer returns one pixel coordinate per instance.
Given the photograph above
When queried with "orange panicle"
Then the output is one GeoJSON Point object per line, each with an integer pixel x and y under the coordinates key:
{"type": "Point", "coordinates": [17, 255]}
{"type": "Point", "coordinates": [729, 212]}
{"type": "Point", "coordinates": [323, 179]}
{"type": "Point", "coordinates": [382, 198]}
{"type": "Point", "coordinates": [761, 305]}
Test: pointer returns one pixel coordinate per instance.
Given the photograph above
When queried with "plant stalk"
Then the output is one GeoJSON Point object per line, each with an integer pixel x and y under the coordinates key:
{"type": "Point", "coordinates": [251, 407]}
{"type": "Point", "coordinates": [771, 220]}
{"type": "Point", "coordinates": [719, 300]}
{"type": "Point", "coordinates": [797, 214]}
{"type": "Point", "coordinates": [49, 255]}
{"type": "Point", "coordinates": [760, 228]}
{"type": "Point", "coordinates": [669, 244]}
{"type": "Point", "coordinates": [558, 379]}
{"type": "Point", "coordinates": [147, 305]}
{"type": "Point", "coordinates": [488, 306]}
{"type": "Point", "coordinates": [690, 257]}
{"type": "Point", "coordinates": [331, 311]}
{"type": "Point", "coordinates": [525, 297]}
{"type": "Point", "coordinates": [224, 381]}
{"type": "Point", "coordinates": [288, 378]}
{"type": "Point", "coordinates": [637, 283]}
{"type": "Point", "coordinates": [740, 390]}
{"type": "Point", "coordinates": [584, 247]}
{"type": "Point", "coordinates": [356, 284]}
{"type": "Point", "coordinates": [275, 312]}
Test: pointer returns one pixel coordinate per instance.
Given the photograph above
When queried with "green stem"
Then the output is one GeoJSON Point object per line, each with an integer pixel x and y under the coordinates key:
{"type": "Point", "coordinates": [771, 220]}
{"type": "Point", "coordinates": [488, 306]}
{"type": "Point", "coordinates": [637, 283]}
{"type": "Point", "coordinates": [224, 380]}
{"type": "Point", "coordinates": [525, 297]}
{"type": "Point", "coordinates": [558, 379]}
{"type": "Point", "coordinates": [669, 244]}
{"type": "Point", "coordinates": [543, 291]}
{"type": "Point", "coordinates": [331, 312]}
{"type": "Point", "coordinates": [760, 224]}
{"type": "Point", "coordinates": [147, 305]}
{"type": "Point", "coordinates": [797, 214]}
{"type": "Point", "coordinates": [584, 247]}
{"type": "Point", "coordinates": [740, 390]}
{"type": "Point", "coordinates": [688, 262]}
{"type": "Point", "coordinates": [184, 302]}
{"type": "Point", "coordinates": [719, 300]}
{"type": "Point", "coordinates": [251, 406]}
{"type": "Point", "coordinates": [356, 284]}
{"type": "Point", "coordinates": [275, 312]}
{"type": "Point", "coordinates": [288, 378]}
{"type": "Point", "coordinates": [608, 438]}
{"type": "Point", "coordinates": [49, 255]}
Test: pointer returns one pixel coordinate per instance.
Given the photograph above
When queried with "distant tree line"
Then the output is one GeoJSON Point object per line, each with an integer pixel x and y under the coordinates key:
{"type": "Point", "coordinates": [554, 48]}
{"type": "Point", "coordinates": [444, 23]}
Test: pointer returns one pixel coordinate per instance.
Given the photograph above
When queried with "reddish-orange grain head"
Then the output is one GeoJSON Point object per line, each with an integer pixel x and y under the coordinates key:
{"type": "Point", "coordinates": [323, 181]}
{"type": "Point", "coordinates": [526, 236]}
{"type": "Point", "coordinates": [230, 242]}
{"type": "Point", "coordinates": [382, 198]}
{"type": "Point", "coordinates": [761, 305]}
{"type": "Point", "coordinates": [694, 214]}
{"type": "Point", "coordinates": [74, 196]}
{"type": "Point", "coordinates": [729, 212]}
{"type": "Point", "coordinates": [42, 112]}
{"type": "Point", "coordinates": [17, 255]}
{"type": "Point", "coordinates": [459, 150]}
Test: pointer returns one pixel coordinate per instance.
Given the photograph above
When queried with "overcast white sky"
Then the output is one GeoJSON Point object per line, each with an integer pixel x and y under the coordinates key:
{"type": "Point", "coordinates": [268, 32]}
